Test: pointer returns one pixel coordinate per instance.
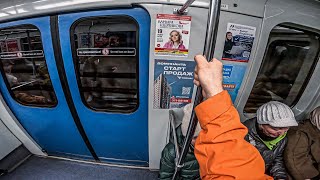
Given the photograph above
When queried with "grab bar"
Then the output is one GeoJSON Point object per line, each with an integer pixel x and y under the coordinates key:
{"type": "Point", "coordinates": [212, 29]}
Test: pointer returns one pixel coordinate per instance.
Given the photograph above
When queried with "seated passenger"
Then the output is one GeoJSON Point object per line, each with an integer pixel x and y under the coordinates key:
{"type": "Point", "coordinates": [190, 170]}
{"type": "Point", "coordinates": [267, 132]}
{"type": "Point", "coordinates": [114, 41]}
{"type": "Point", "coordinates": [30, 99]}
{"type": "Point", "coordinates": [7, 67]}
{"type": "Point", "coordinates": [302, 154]}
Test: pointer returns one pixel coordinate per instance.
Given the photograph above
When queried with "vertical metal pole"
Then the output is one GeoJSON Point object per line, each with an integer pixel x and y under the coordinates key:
{"type": "Point", "coordinates": [212, 29]}
{"type": "Point", "coordinates": [34, 67]}
{"type": "Point", "coordinates": [175, 140]}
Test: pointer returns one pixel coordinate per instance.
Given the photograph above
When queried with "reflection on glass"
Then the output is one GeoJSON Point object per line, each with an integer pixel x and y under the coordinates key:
{"type": "Point", "coordinates": [23, 64]}
{"type": "Point", "coordinates": [288, 62]}
{"type": "Point", "coordinates": [105, 55]}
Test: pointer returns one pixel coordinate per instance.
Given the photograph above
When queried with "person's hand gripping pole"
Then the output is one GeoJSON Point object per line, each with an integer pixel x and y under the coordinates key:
{"type": "Point", "coordinates": [208, 75]}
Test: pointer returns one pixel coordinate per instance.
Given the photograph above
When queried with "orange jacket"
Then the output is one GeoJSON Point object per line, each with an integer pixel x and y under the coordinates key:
{"type": "Point", "coordinates": [220, 148]}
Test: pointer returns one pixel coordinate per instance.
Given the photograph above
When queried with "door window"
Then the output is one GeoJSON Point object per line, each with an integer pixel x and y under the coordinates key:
{"type": "Point", "coordinates": [105, 55]}
{"type": "Point", "coordinates": [289, 61]}
{"type": "Point", "coordinates": [24, 68]}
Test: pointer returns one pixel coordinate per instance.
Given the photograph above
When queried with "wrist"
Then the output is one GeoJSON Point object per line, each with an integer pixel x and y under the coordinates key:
{"type": "Point", "coordinates": [213, 91]}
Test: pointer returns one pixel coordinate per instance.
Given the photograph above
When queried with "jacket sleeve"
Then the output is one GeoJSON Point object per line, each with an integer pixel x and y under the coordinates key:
{"type": "Point", "coordinates": [167, 165]}
{"type": "Point", "coordinates": [278, 170]}
{"type": "Point", "coordinates": [297, 157]}
{"type": "Point", "coordinates": [220, 148]}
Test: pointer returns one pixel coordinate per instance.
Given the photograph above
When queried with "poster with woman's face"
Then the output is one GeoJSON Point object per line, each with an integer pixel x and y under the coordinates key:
{"type": "Point", "coordinates": [172, 35]}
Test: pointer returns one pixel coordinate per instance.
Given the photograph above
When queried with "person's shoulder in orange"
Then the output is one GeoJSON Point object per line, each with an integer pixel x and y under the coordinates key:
{"type": "Point", "coordinates": [220, 148]}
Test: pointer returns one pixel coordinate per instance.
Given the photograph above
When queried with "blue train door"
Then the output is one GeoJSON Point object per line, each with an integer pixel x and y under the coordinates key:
{"type": "Point", "coordinates": [30, 85]}
{"type": "Point", "coordinates": [105, 56]}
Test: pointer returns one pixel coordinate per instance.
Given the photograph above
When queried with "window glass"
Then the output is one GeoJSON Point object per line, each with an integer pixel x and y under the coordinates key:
{"type": "Point", "coordinates": [24, 67]}
{"type": "Point", "coordinates": [289, 61]}
{"type": "Point", "coordinates": [106, 60]}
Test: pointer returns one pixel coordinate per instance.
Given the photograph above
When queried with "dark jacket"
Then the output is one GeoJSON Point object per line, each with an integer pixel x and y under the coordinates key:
{"type": "Point", "coordinates": [228, 44]}
{"type": "Point", "coordinates": [273, 158]}
{"type": "Point", "coordinates": [190, 170]}
{"type": "Point", "coordinates": [302, 154]}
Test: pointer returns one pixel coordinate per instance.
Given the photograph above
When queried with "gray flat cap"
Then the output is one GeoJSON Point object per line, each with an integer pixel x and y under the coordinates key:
{"type": "Point", "coordinates": [276, 114]}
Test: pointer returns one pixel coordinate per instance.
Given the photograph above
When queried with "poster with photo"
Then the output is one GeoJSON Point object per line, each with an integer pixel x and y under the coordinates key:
{"type": "Point", "coordinates": [173, 83]}
{"type": "Point", "coordinates": [12, 45]}
{"type": "Point", "coordinates": [238, 42]}
{"type": "Point", "coordinates": [232, 78]}
{"type": "Point", "coordinates": [172, 35]}
{"type": "Point", "coordinates": [85, 40]}
{"type": "Point", "coordinates": [99, 40]}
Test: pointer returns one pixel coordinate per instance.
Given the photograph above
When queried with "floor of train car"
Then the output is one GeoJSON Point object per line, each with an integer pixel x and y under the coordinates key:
{"type": "Point", "coordinates": [52, 169]}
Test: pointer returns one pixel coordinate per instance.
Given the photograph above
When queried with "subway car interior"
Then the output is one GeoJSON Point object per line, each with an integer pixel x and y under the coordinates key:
{"type": "Point", "coordinates": [86, 87]}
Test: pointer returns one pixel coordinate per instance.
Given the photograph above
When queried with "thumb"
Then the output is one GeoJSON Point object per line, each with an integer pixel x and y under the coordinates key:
{"type": "Point", "coordinates": [201, 61]}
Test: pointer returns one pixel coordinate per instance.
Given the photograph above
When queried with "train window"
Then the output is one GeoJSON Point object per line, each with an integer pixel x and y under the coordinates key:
{"type": "Point", "coordinates": [106, 60]}
{"type": "Point", "coordinates": [289, 61]}
{"type": "Point", "coordinates": [24, 68]}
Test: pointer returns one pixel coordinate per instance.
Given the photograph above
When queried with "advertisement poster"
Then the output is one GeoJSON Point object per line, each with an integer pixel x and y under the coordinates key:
{"type": "Point", "coordinates": [12, 45]}
{"type": "Point", "coordinates": [85, 40]}
{"type": "Point", "coordinates": [99, 40]}
{"type": "Point", "coordinates": [232, 79]}
{"type": "Point", "coordinates": [173, 83]}
{"type": "Point", "coordinates": [172, 35]}
{"type": "Point", "coordinates": [238, 42]}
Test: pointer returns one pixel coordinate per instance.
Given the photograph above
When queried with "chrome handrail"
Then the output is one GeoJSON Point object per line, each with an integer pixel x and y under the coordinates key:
{"type": "Point", "coordinates": [185, 6]}
{"type": "Point", "coordinates": [212, 29]}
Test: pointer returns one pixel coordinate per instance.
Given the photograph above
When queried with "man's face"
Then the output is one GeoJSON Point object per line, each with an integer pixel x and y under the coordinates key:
{"type": "Point", "coordinates": [105, 40]}
{"type": "Point", "coordinates": [8, 67]}
{"type": "Point", "coordinates": [114, 41]}
{"type": "Point", "coordinates": [273, 131]}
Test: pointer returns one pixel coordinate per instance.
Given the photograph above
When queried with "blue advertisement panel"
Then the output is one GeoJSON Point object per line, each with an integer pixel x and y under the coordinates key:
{"type": "Point", "coordinates": [232, 78]}
{"type": "Point", "coordinates": [173, 83]}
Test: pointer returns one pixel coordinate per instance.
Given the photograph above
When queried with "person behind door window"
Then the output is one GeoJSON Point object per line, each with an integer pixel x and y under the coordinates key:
{"type": "Point", "coordinates": [302, 154]}
{"type": "Point", "coordinates": [175, 41]}
{"type": "Point", "coordinates": [190, 170]}
{"type": "Point", "coordinates": [90, 80]}
{"type": "Point", "coordinates": [7, 67]}
{"type": "Point", "coordinates": [105, 42]}
{"type": "Point", "coordinates": [220, 148]}
{"type": "Point", "coordinates": [114, 41]}
{"type": "Point", "coordinates": [22, 96]}
{"type": "Point", "coordinates": [228, 44]}
{"type": "Point", "coordinates": [267, 132]}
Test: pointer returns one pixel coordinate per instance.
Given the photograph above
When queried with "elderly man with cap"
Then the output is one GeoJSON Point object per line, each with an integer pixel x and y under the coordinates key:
{"type": "Point", "coordinates": [302, 154]}
{"type": "Point", "coordinates": [267, 132]}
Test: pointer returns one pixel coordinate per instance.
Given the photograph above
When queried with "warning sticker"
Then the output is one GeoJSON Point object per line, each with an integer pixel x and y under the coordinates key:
{"type": "Point", "coordinates": [106, 52]}
{"type": "Point", "coordinates": [22, 54]}
{"type": "Point", "coordinates": [172, 35]}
